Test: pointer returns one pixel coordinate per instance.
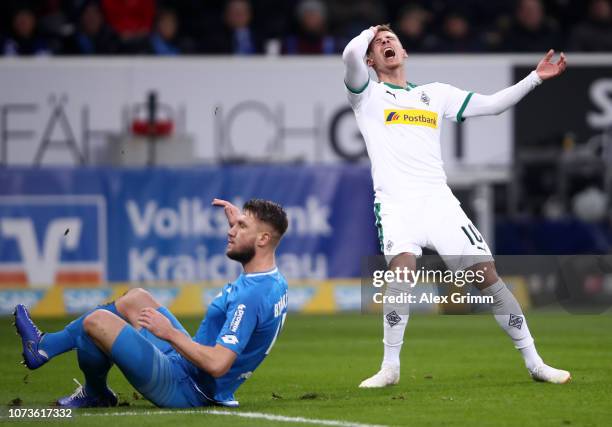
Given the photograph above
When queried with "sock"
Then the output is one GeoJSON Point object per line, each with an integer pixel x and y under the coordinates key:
{"type": "Point", "coordinates": [55, 343]}
{"type": "Point", "coordinates": [509, 316]}
{"type": "Point", "coordinates": [395, 320]}
{"type": "Point", "coordinates": [95, 365]}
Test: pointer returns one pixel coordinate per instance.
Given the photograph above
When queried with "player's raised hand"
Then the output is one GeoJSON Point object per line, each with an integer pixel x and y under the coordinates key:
{"type": "Point", "coordinates": [547, 69]}
{"type": "Point", "coordinates": [374, 28]}
{"type": "Point", "coordinates": [155, 322]}
{"type": "Point", "coordinates": [232, 212]}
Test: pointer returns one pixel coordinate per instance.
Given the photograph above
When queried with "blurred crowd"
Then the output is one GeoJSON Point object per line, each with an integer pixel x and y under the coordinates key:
{"type": "Point", "coordinates": [288, 27]}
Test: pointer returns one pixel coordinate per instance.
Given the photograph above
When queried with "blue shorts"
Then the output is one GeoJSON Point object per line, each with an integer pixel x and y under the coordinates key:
{"type": "Point", "coordinates": [154, 368]}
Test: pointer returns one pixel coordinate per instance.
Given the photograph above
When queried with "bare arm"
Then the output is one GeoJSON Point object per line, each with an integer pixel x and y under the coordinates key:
{"type": "Point", "coordinates": [356, 74]}
{"type": "Point", "coordinates": [215, 360]}
{"type": "Point", "coordinates": [484, 105]}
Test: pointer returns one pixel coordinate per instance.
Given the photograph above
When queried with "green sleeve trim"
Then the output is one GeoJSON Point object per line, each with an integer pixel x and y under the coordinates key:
{"type": "Point", "coordinates": [357, 91]}
{"type": "Point", "coordinates": [460, 117]}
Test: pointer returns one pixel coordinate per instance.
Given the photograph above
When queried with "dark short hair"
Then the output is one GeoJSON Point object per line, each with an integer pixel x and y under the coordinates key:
{"type": "Point", "coordinates": [384, 27]}
{"type": "Point", "coordinates": [269, 212]}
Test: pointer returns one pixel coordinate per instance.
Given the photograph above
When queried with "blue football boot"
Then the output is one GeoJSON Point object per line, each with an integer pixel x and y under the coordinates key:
{"type": "Point", "coordinates": [30, 338]}
{"type": "Point", "coordinates": [80, 399]}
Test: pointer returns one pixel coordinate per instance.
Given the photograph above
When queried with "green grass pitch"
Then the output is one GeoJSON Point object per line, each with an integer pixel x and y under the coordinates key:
{"type": "Point", "coordinates": [456, 370]}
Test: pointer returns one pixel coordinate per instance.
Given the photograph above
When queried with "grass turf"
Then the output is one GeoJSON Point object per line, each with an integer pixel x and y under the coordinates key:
{"type": "Point", "coordinates": [456, 370]}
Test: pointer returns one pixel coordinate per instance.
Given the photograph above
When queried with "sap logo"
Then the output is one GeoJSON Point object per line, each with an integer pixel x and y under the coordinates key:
{"type": "Point", "coordinates": [237, 317]}
{"type": "Point", "coordinates": [164, 296]}
{"type": "Point", "coordinates": [78, 301]}
{"type": "Point", "coordinates": [229, 339]}
{"type": "Point", "coordinates": [347, 297]}
{"type": "Point", "coordinates": [52, 239]}
{"type": "Point", "coordinates": [300, 297]}
{"type": "Point", "coordinates": [9, 299]}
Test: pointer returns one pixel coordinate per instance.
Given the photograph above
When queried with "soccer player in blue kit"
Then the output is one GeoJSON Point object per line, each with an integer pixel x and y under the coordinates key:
{"type": "Point", "coordinates": [155, 352]}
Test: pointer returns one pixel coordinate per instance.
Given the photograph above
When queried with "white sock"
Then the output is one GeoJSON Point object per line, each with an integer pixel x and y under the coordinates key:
{"type": "Point", "coordinates": [395, 320]}
{"type": "Point", "coordinates": [531, 357]}
{"type": "Point", "coordinates": [509, 316]}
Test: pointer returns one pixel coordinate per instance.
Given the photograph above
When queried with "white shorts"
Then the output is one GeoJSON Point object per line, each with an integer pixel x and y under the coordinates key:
{"type": "Point", "coordinates": [436, 222]}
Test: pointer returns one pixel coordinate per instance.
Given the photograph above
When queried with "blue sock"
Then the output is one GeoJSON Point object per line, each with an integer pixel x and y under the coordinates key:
{"type": "Point", "coordinates": [95, 365]}
{"type": "Point", "coordinates": [55, 343]}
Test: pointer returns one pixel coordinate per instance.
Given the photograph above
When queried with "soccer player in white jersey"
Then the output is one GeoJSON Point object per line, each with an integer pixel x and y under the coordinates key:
{"type": "Point", "coordinates": [414, 207]}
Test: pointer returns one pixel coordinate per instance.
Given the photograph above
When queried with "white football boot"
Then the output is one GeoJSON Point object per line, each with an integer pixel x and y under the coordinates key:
{"type": "Point", "coordinates": [388, 375]}
{"type": "Point", "coordinates": [549, 374]}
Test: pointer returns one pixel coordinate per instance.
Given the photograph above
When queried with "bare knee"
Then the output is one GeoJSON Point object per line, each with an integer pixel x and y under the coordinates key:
{"type": "Point", "coordinates": [134, 300]}
{"type": "Point", "coordinates": [103, 327]}
{"type": "Point", "coordinates": [94, 322]}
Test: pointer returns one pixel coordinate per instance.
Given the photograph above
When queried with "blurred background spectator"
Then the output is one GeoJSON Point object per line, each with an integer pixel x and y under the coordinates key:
{"type": "Point", "coordinates": [311, 36]}
{"type": "Point", "coordinates": [412, 29]}
{"type": "Point", "coordinates": [594, 34]}
{"type": "Point", "coordinates": [166, 38]}
{"type": "Point", "coordinates": [24, 38]}
{"type": "Point", "coordinates": [236, 36]}
{"type": "Point", "coordinates": [350, 17]}
{"type": "Point", "coordinates": [457, 35]}
{"type": "Point", "coordinates": [531, 30]}
{"type": "Point", "coordinates": [245, 27]}
{"type": "Point", "coordinates": [92, 36]}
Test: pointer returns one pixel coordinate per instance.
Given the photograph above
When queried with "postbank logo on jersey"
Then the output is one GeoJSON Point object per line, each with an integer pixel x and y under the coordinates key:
{"type": "Point", "coordinates": [412, 117]}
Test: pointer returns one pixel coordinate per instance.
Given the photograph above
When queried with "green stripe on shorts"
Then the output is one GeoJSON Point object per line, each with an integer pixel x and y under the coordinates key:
{"type": "Point", "coordinates": [381, 237]}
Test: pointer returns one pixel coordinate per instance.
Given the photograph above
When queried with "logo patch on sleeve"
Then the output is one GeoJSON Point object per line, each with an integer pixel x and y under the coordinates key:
{"type": "Point", "coordinates": [412, 117]}
{"type": "Point", "coordinates": [238, 314]}
{"type": "Point", "coordinates": [229, 339]}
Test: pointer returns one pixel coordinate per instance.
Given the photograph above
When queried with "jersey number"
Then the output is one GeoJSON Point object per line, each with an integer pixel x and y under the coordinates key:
{"type": "Point", "coordinates": [474, 237]}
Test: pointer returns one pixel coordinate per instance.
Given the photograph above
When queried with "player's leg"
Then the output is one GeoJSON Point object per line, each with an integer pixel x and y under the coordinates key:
{"type": "Point", "coordinates": [509, 316]}
{"type": "Point", "coordinates": [39, 347]}
{"type": "Point", "coordinates": [158, 377]}
{"type": "Point", "coordinates": [399, 239]}
{"type": "Point", "coordinates": [94, 363]}
{"type": "Point", "coordinates": [129, 307]}
{"type": "Point", "coordinates": [461, 245]}
{"type": "Point", "coordinates": [395, 320]}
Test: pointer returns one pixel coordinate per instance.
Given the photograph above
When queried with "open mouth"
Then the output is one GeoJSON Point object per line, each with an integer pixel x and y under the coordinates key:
{"type": "Point", "coordinates": [389, 53]}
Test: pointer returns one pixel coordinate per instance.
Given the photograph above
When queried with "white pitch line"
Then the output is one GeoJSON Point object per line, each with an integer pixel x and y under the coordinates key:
{"type": "Point", "coordinates": [255, 415]}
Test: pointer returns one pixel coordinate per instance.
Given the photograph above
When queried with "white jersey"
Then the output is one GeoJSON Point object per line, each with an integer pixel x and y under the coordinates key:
{"type": "Point", "coordinates": [401, 127]}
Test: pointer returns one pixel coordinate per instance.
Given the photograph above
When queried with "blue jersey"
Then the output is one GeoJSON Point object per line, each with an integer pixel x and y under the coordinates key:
{"type": "Point", "coordinates": [246, 317]}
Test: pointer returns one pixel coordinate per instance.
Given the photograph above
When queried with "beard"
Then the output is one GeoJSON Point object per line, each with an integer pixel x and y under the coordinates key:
{"type": "Point", "coordinates": [242, 256]}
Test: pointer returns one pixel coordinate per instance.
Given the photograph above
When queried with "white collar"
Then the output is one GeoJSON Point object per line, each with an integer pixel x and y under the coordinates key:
{"type": "Point", "coordinates": [274, 270]}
